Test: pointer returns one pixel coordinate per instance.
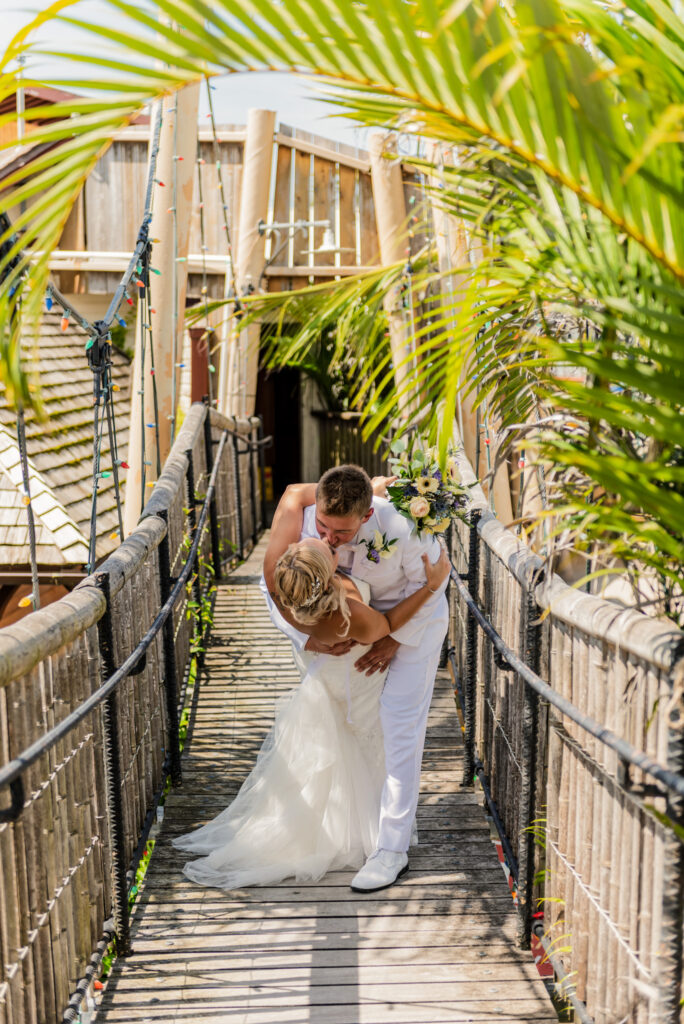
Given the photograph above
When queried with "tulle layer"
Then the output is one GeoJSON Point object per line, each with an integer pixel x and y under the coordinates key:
{"type": "Point", "coordinates": [311, 803]}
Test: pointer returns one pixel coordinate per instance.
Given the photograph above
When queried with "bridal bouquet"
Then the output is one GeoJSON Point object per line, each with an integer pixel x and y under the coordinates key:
{"type": "Point", "coordinates": [425, 494]}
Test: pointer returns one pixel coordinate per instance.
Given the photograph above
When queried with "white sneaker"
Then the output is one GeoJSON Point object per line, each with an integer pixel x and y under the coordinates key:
{"type": "Point", "coordinates": [381, 870]}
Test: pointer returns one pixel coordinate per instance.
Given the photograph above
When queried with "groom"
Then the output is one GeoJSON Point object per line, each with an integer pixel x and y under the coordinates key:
{"type": "Point", "coordinates": [349, 517]}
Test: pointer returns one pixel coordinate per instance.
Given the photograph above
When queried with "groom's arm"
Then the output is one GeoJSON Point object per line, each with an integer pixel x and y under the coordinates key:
{"type": "Point", "coordinates": [286, 527]}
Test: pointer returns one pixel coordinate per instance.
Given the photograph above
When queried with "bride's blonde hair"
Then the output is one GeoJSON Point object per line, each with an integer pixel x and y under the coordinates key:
{"type": "Point", "coordinates": [306, 584]}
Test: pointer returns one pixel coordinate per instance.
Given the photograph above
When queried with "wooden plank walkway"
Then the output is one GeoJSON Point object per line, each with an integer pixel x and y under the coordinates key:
{"type": "Point", "coordinates": [436, 947]}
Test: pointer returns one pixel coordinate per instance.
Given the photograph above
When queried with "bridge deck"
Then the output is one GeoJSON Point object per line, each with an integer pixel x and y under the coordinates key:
{"type": "Point", "coordinates": [437, 947]}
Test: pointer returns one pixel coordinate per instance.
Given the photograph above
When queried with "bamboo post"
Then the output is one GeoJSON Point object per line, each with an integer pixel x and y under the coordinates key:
{"type": "Point", "coordinates": [177, 150]}
{"type": "Point", "coordinates": [391, 222]}
{"type": "Point", "coordinates": [239, 378]}
{"type": "Point", "coordinates": [452, 257]}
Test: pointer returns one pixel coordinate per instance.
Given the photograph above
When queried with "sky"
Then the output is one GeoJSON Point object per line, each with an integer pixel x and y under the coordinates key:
{"type": "Point", "coordinates": [293, 98]}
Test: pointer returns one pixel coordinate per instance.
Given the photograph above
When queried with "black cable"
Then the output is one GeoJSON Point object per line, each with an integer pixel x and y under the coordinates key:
{"type": "Point", "coordinates": [625, 751]}
{"type": "Point", "coordinates": [11, 773]}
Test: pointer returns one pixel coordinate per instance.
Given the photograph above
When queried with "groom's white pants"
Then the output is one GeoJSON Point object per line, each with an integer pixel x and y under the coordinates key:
{"type": "Point", "coordinates": [404, 707]}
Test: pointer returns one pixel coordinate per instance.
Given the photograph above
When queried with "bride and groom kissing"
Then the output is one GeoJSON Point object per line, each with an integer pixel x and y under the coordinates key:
{"type": "Point", "coordinates": [361, 597]}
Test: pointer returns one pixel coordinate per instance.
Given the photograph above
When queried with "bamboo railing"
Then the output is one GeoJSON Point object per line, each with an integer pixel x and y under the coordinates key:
{"type": "Point", "coordinates": [581, 824]}
{"type": "Point", "coordinates": [73, 836]}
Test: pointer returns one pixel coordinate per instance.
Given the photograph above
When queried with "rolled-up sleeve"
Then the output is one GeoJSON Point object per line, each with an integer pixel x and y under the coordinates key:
{"type": "Point", "coordinates": [414, 548]}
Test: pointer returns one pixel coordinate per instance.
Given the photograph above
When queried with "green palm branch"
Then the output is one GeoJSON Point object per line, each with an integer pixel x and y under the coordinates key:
{"type": "Point", "coordinates": [570, 175]}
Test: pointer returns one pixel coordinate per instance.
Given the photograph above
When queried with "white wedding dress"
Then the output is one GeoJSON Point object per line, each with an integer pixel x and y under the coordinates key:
{"type": "Point", "coordinates": [311, 804]}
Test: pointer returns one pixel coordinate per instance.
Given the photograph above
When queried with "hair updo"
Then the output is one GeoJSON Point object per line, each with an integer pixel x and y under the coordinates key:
{"type": "Point", "coordinates": [306, 584]}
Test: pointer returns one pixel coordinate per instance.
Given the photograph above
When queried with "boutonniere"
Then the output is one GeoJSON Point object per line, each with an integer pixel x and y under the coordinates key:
{"type": "Point", "coordinates": [379, 546]}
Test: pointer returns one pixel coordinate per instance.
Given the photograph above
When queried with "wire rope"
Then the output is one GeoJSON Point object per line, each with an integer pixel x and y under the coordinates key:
{"type": "Point", "coordinates": [23, 456]}
{"type": "Point", "coordinates": [205, 277]}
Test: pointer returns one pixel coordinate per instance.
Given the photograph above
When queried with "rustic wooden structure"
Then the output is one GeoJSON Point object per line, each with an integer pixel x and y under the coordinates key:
{"type": "Point", "coordinates": [294, 179]}
{"type": "Point", "coordinates": [437, 947]}
{"type": "Point", "coordinates": [613, 882]}
{"type": "Point", "coordinates": [86, 802]}
{"type": "Point", "coordinates": [585, 826]}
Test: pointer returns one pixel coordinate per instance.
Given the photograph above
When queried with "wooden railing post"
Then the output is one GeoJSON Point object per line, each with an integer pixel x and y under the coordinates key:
{"type": "Point", "coordinates": [240, 545]}
{"type": "Point", "coordinates": [670, 957]}
{"type": "Point", "coordinates": [192, 518]}
{"type": "Point", "coordinates": [470, 688]}
{"type": "Point", "coordinates": [170, 689]}
{"type": "Point", "coordinates": [249, 441]}
{"type": "Point", "coordinates": [262, 470]}
{"type": "Point", "coordinates": [113, 775]}
{"type": "Point", "coordinates": [213, 514]}
{"type": "Point", "coordinates": [527, 797]}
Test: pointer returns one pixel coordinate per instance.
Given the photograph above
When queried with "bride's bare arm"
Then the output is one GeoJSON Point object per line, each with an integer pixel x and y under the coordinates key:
{"type": "Point", "coordinates": [368, 625]}
{"type": "Point", "coordinates": [287, 525]}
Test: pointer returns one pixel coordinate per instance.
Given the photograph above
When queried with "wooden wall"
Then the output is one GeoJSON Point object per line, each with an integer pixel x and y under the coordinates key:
{"type": "Point", "coordinates": [314, 179]}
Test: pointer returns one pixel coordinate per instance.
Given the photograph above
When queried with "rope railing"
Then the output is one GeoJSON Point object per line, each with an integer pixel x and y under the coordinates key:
{"type": "Point", "coordinates": [11, 774]}
{"type": "Point", "coordinates": [627, 753]}
{"type": "Point", "coordinates": [558, 691]}
{"type": "Point", "coordinates": [114, 659]}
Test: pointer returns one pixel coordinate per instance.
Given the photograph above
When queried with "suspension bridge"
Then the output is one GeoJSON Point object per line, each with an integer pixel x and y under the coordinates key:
{"type": "Point", "coordinates": [132, 708]}
{"type": "Point", "coordinates": [99, 691]}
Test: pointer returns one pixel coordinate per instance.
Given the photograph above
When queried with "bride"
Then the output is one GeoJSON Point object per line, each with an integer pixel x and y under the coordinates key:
{"type": "Point", "coordinates": [311, 803]}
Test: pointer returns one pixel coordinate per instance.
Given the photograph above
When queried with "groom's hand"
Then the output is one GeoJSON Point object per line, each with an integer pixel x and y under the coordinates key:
{"type": "Point", "coordinates": [335, 649]}
{"type": "Point", "coordinates": [379, 655]}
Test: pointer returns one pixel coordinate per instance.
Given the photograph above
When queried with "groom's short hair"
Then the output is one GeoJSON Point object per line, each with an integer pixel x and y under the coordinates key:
{"type": "Point", "coordinates": [344, 491]}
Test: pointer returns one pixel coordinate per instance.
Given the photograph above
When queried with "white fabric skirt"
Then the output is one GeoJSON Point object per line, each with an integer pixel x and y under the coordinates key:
{"type": "Point", "coordinates": [311, 803]}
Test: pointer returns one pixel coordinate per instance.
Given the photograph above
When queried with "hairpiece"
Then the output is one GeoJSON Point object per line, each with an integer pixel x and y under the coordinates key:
{"type": "Point", "coordinates": [316, 588]}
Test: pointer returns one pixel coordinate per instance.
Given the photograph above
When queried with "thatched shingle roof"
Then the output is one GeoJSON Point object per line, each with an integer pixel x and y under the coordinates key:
{"type": "Point", "coordinates": [60, 450]}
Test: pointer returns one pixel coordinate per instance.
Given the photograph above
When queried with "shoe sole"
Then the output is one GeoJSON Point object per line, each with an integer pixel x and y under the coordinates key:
{"type": "Point", "coordinates": [378, 888]}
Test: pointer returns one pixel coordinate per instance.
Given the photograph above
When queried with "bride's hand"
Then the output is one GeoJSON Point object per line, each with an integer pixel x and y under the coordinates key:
{"type": "Point", "coordinates": [380, 485]}
{"type": "Point", "coordinates": [437, 572]}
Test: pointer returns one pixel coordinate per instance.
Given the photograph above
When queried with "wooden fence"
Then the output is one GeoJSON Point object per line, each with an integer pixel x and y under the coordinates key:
{"type": "Point", "coordinates": [592, 853]}
{"type": "Point", "coordinates": [68, 860]}
{"type": "Point", "coordinates": [340, 442]}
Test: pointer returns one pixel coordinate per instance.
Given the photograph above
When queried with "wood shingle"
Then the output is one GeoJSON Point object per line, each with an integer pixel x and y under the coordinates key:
{"type": "Point", "coordinates": [60, 449]}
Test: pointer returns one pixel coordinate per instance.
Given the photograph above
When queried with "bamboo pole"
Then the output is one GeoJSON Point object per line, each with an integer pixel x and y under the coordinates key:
{"type": "Point", "coordinates": [238, 380]}
{"type": "Point", "coordinates": [453, 260]}
{"type": "Point", "coordinates": [176, 158]}
{"type": "Point", "coordinates": [391, 222]}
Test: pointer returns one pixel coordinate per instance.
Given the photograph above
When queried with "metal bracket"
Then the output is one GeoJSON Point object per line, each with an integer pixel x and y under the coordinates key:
{"type": "Point", "coordinates": [140, 665]}
{"type": "Point", "coordinates": [501, 662]}
{"type": "Point", "coordinates": [16, 806]}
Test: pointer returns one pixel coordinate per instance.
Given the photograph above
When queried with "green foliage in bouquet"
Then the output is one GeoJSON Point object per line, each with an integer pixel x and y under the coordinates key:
{"type": "Point", "coordinates": [424, 493]}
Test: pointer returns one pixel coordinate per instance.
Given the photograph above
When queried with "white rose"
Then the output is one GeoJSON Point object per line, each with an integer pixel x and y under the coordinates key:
{"type": "Point", "coordinates": [419, 506]}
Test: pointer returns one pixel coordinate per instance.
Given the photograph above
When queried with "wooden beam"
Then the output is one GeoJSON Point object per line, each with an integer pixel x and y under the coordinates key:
{"type": "Point", "coordinates": [390, 216]}
{"type": "Point", "coordinates": [360, 163]}
{"type": "Point", "coordinates": [133, 134]}
{"type": "Point", "coordinates": [178, 140]}
{"type": "Point", "coordinates": [280, 271]}
{"type": "Point", "coordinates": [243, 352]}
{"type": "Point", "coordinates": [113, 262]}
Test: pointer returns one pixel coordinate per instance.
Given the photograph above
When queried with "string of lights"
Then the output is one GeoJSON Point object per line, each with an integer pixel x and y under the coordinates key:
{"type": "Point", "coordinates": [205, 277]}
{"type": "Point", "coordinates": [98, 351]}
{"type": "Point", "coordinates": [231, 291]}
